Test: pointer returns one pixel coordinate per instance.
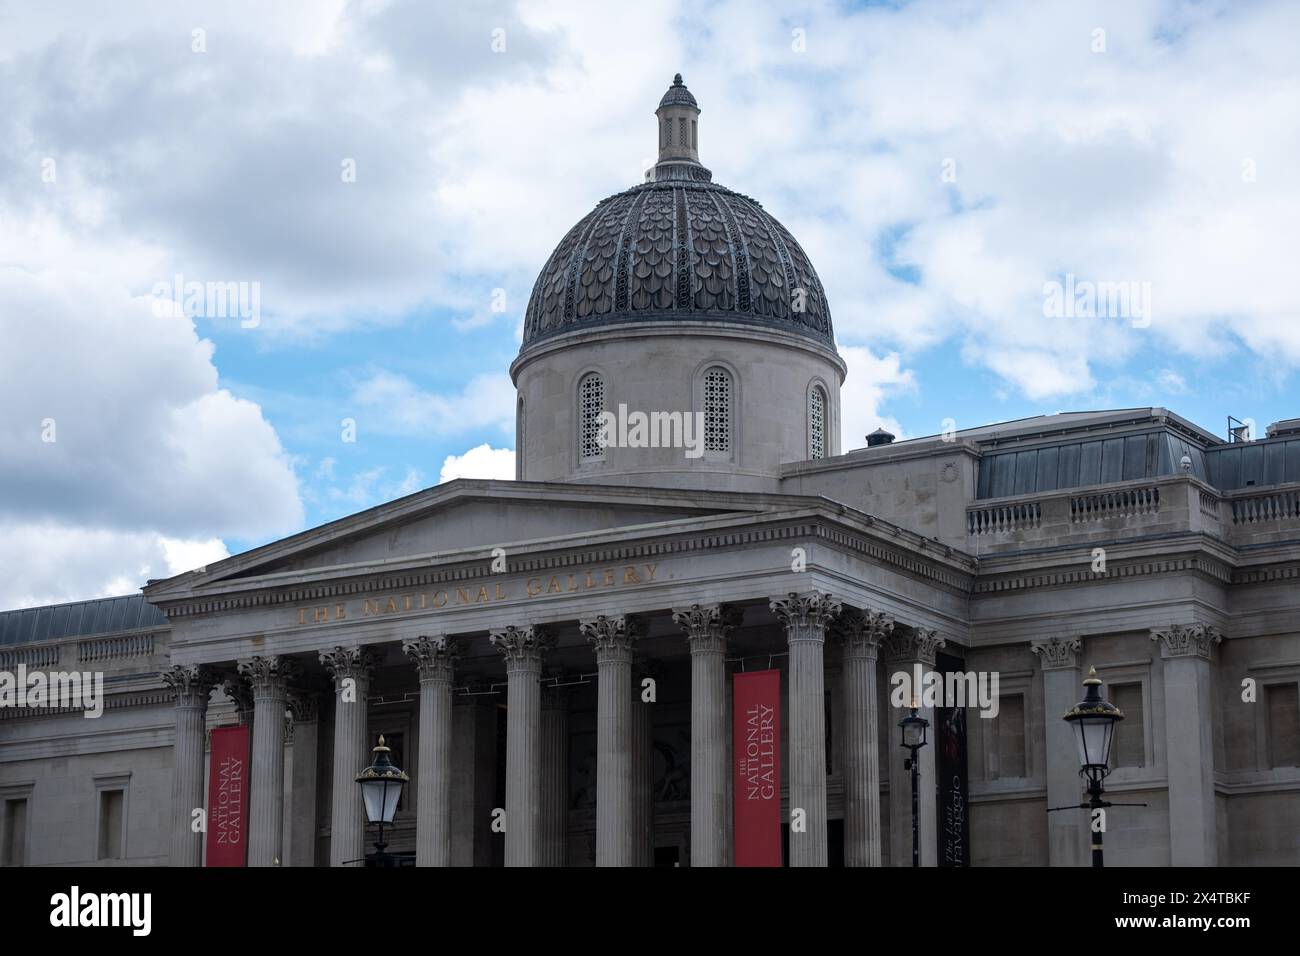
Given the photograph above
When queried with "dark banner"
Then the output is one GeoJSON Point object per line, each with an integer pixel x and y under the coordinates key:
{"type": "Point", "coordinates": [950, 769]}
{"type": "Point", "coordinates": [228, 797]}
{"type": "Point", "coordinates": [756, 742]}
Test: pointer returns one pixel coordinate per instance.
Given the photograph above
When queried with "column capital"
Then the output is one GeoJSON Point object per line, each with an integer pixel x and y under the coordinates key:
{"type": "Point", "coordinates": [304, 705]}
{"type": "Point", "coordinates": [1056, 653]}
{"type": "Point", "coordinates": [268, 674]}
{"type": "Point", "coordinates": [612, 637]}
{"type": "Point", "coordinates": [706, 625]}
{"type": "Point", "coordinates": [914, 644]}
{"type": "Point", "coordinates": [860, 631]}
{"type": "Point", "coordinates": [192, 683]}
{"type": "Point", "coordinates": [805, 616]}
{"type": "Point", "coordinates": [523, 647]}
{"type": "Point", "coordinates": [237, 689]}
{"type": "Point", "coordinates": [1187, 640]}
{"type": "Point", "coordinates": [348, 662]}
{"type": "Point", "coordinates": [434, 657]}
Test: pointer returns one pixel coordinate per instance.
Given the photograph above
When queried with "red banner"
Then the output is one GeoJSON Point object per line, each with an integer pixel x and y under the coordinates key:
{"type": "Point", "coordinates": [756, 749]}
{"type": "Point", "coordinates": [228, 797]}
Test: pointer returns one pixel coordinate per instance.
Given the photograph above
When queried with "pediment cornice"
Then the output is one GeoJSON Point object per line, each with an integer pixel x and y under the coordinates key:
{"type": "Point", "coordinates": [831, 525]}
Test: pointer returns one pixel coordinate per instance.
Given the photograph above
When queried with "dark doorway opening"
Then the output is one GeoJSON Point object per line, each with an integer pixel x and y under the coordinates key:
{"type": "Point", "coordinates": [834, 843]}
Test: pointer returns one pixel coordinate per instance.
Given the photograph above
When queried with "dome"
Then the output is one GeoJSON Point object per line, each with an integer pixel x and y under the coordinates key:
{"type": "Point", "coordinates": [678, 247]}
{"type": "Point", "coordinates": [678, 94]}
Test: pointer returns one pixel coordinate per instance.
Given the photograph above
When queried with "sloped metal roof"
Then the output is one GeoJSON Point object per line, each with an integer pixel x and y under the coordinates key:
{"type": "Point", "coordinates": [79, 618]}
{"type": "Point", "coordinates": [1083, 462]}
{"type": "Point", "coordinates": [1272, 461]}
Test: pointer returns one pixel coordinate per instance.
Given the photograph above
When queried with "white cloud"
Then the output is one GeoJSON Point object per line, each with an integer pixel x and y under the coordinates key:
{"type": "Point", "coordinates": [123, 458]}
{"type": "Point", "coordinates": [1171, 382]}
{"type": "Point", "coordinates": [47, 562]}
{"type": "Point", "coordinates": [143, 436]}
{"type": "Point", "coordinates": [393, 404]}
{"type": "Point", "coordinates": [368, 487]}
{"type": "Point", "coordinates": [185, 555]}
{"type": "Point", "coordinates": [471, 164]}
{"type": "Point", "coordinates": [482, 461]}
{"type": "Point", "coordinates": [870, 382]}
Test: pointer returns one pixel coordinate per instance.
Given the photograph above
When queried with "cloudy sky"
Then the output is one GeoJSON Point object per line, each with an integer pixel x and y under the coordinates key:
{"type": "Point", "coordinates": [389, 177]}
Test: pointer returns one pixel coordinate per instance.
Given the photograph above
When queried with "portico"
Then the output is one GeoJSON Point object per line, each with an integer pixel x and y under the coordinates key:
{"type": "Point", "coordinates": [638, 767]}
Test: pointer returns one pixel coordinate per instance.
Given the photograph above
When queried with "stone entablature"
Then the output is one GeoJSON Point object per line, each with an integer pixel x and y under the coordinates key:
{"type": "Point", "coordinates": [541, 569]}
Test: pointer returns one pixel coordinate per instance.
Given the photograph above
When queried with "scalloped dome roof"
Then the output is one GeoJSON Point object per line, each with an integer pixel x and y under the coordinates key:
{"type": "Point", "coordinates": [678, 246]}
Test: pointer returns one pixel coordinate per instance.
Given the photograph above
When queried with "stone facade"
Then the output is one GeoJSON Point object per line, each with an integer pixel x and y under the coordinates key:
{"type": "Point", "coordinates": [551, 659]}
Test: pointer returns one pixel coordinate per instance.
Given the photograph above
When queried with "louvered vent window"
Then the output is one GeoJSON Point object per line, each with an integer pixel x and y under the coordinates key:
{"type": "Point", "coordinates": [717, 410]}
{"type": "Point", "coordinates": [817, 423]}
{"type": "Point", "coordinates": [591, 402]}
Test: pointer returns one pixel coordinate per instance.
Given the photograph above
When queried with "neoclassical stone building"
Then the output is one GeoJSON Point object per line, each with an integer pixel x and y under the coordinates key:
{"type": "Point", "coordinates": [557, 652]}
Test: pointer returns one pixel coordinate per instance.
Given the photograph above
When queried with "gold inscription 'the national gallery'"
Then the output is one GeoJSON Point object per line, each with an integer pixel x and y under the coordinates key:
{"type": "Point", "coordinates": [403, 602]}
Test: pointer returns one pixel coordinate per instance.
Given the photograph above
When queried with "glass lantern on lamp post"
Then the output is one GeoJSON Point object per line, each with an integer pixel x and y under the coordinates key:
{"type": "Point", "coordinates": [381, 788]}
{"type": "Point", "coordinates": [914, 730]}
{"type": "Point", "coordinates": [1094, 719]}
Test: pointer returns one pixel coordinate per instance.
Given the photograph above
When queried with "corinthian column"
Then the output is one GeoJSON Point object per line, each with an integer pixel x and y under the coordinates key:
{"type": "Point", "coordinates": [555, 776]}
{"type": "Point", "coordinates": [706, 628]}
{"type": "Point", "coordinates": [643, 804]}
{"type": "Point", "coordinates": [1065, 831]}
{"type": "Point", "coordinates": [613, 638]}
{"type": "Point", "coordinates": [1187, 650]}
{"type": "Point", "coordinates": [433, 658]}
{"type": "Point", "coordinates": [524, 649]}
{"type": "Point", "coordinates": [351, 668]}
{"type": "Point", "coordinates": [805, 618]}
{"type": "Point", "coordinates": [269, 678]}
{"type": "Point", "coordinates": [909, 651]}
{"type": "Point", "coordinates": [192, 684]}
{"type": "Point", "coordinates": [860, 633]}
{"type": "Point", "coordinates": [305, 707]}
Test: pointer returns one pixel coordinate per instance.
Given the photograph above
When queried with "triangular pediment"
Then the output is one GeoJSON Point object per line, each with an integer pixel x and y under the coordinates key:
{"type": "Point", "coordinates": [460, 516]}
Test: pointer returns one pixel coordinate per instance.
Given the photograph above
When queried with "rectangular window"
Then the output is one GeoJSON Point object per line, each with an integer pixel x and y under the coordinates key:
{"type": "Point", "coordinates": [14, 834]}
{"type": "Point", "coordinates": [1284, 725]}
{"type": "Point", "coordinates": [1008, 749]}
{"type": "Point", "coordinates": [1129, 748]}
{"type": "Point", "coordinates": [111, 803]}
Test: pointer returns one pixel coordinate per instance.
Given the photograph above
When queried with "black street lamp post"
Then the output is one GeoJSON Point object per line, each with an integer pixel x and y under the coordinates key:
{"type": "Point", "coordinates": [1094, 719]}
{"type": "Point", "coordinates": [381, 787]}
{"type": "Point", "coordinates": [914, 737]}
